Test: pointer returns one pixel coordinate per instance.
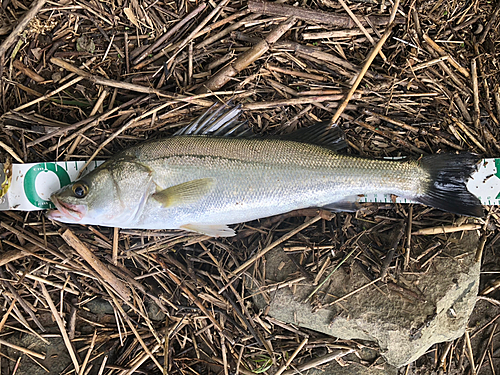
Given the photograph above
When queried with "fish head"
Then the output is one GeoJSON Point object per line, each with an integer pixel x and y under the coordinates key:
{"type": "Point", "coordinates": [112, 194]}
{"type": "Point", "coordinates": [92, 199]}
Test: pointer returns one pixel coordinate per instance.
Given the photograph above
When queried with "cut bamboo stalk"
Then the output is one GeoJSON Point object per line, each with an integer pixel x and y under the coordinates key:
{"type": "Point", "coordinates": [96, 264]}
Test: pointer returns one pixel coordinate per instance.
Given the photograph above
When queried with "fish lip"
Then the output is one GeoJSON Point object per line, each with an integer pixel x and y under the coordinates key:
{"type": "Point", "coordinates": [66, 210]}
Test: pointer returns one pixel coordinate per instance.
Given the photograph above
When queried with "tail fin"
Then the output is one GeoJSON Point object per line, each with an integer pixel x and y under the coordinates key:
{"type": "Point", "coordinates": [447, 186]}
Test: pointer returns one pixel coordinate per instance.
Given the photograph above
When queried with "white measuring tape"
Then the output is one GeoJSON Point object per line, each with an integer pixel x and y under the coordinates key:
{"type": "Point", "coordinates": [32, 184]}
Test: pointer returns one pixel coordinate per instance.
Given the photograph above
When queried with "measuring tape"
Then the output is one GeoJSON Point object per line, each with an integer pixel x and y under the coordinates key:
{"type": "Point", "coordinates": [32, 184]}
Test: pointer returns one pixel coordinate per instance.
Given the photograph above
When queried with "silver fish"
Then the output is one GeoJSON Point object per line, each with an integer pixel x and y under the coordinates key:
{"type": "Point", "coordinates": [203, 183]}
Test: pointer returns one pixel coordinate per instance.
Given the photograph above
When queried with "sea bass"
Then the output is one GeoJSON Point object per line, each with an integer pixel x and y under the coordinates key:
{"type": "Point", "coordinates": [203, 183]}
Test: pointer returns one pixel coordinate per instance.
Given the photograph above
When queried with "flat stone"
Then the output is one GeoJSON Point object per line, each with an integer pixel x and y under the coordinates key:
{"type": "Point", "coordinates": [56, 355]}
{"type": "Point", "coordinates": [351, 369]}
{"type": "Point", "coordinates": [405, 320]}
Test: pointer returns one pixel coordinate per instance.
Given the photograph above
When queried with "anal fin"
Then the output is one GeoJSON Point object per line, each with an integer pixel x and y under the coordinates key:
{"type": "Point", "coordinates": [219, 230]}
{"type": "Point", "coordinates": [347, 204]}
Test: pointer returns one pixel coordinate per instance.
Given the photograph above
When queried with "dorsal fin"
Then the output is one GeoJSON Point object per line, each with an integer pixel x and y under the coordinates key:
{"type": "Point", "coordinates": [221, 121]}
{"type": "Point", "coordinates": [322, 134]}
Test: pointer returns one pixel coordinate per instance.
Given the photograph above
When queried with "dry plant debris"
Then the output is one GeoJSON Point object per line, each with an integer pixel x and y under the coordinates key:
{"type": "Point", "coordinates": [82, 79]}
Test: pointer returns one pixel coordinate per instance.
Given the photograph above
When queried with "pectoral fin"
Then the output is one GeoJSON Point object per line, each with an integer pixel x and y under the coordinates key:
{"type": "Point", "coordinates": [210, 230]}
{"type": "Point", "coordinates": [185, 193]}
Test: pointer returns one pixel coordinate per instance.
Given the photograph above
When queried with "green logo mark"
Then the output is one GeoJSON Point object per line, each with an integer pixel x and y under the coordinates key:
{"type": "Point", "coordinates": [30, 179]}
{"type": "Point", "coordinates": [497, 166]}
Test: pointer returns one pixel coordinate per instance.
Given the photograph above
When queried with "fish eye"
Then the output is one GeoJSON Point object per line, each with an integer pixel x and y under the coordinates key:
{"type": "Point", "coordinates": [80, 189]}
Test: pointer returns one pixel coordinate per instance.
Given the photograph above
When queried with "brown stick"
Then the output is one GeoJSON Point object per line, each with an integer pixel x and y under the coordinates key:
{"type": "Point", "coordinates": [355, 85]}
{"type": "Point", "coordinates": [393, 136]}
{"type": "Point", "coordinates": [475, 91]}
{"type": "Point", "coordinates": [233, 26]}
{"type": "Point", "coordinates": [197, 29]}
{"type": "Point", "coordinates": [12, 255]}
{"type": "Point", "coordinates": [96, 264]}
{"type": "Point", "coordinates": [205, 42]}
{"type": "Point", "coordinates": [446, 229]}
{"type": "Point", "coordinates": [28, 16]}
{"type": "Point", "coordinates": [443, 53]}
{"type": "Point", "coordinates": [292, 357]}
{"type": "Point", "coordinates": [23, 350]}
{"type": "Point", "coordinates": [196, 301]}
{"type": "Point", "coordinates": [169, 33]}
{"type": "Point", "coordinates": [134, 330]}
{"type": "Point", "coordinates": [316, 53]}
{"type": "Point", "coordinates": [125, 85]}
{"type": "Point", "coordinates": [413, 129]}
{"type": "Point", "coordinates": [369, 61]}
{"type": "Point", "coordinates": [27, 71]}
{"type": "Point", "coordinates": [103, 81]}
{"type": "Point", "coordinates": [335, 34]}
{"type": "Point", "coordinates": [87, 124]}
{"type": "Point", "coordinates": [295, 73]}
{"type": "Point", "coordinates": [467, 131]}
{"type": "Point", "coordinates": [7, 314]}
{"type": "Point", "coordinates": [116, 233]}
{"type": "Point", "coordinates": [489, 25]}
{"type": "Point", "coordinates": [52, 93]}
{"type": "Point", "coordinates": [309, 52]}
{"type": "Point", "coordinates": [487, 346]}
{"type": "Point", "coordinates": [224, 75]}
{"type": "Point", "coordinates": [470, 353]}
{"type": "Point", "coordinates": [360, 26]}
{"type": "Point", "coordinates": [355, 291]}
{"type": "Point", "coordinates": [89, 352]}
{"type": "Point", "coordinates": [318, 361]}
{"type": "Point", "coordinates": [264, 251]}
{"type": "Point", "coordinates": [63, 130]}
{"type": "Point", "coordinates": [28, 308]}
{"type": "Point", "coordinates": [294, 101]}
{"type": "Point", "coordinates": [318, 16]}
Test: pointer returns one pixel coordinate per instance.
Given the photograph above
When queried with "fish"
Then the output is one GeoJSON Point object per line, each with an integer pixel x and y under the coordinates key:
{"type": "Point", "coordinates": [213, 174]}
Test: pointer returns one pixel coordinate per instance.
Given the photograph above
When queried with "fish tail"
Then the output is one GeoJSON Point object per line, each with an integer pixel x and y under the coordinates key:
{"type": "Point", "coordinates": [447, 189]}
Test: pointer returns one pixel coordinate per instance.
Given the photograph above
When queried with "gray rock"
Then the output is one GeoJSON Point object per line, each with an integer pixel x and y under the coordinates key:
{"type": "Point", "coordinates": [100, 306]}
{"type": "Point", "coordinates": [351, 369]}
{"type": "Point", "coordinates": [154, 312]}
{"type": "Point", "coordinates": [56, 355]}
{"type": "Point", "coordinates": [351, 365]}
{"type": "Point", "coordinates": [404, 320]}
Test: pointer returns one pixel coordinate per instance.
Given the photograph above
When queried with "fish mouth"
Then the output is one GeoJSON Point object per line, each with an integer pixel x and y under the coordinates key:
{"type": "Point", "coordinates": [66, 211]}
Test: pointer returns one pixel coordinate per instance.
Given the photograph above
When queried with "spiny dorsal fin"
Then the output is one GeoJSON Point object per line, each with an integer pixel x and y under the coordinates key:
{"type": "Point", "coordinates": [222, 121]}
{"type": "Point", "coordinates": [219, 121]}
{"type": "Point", "coordinates": [322, 134]}
{"type": "Point", "coordinates": [185, 193]}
